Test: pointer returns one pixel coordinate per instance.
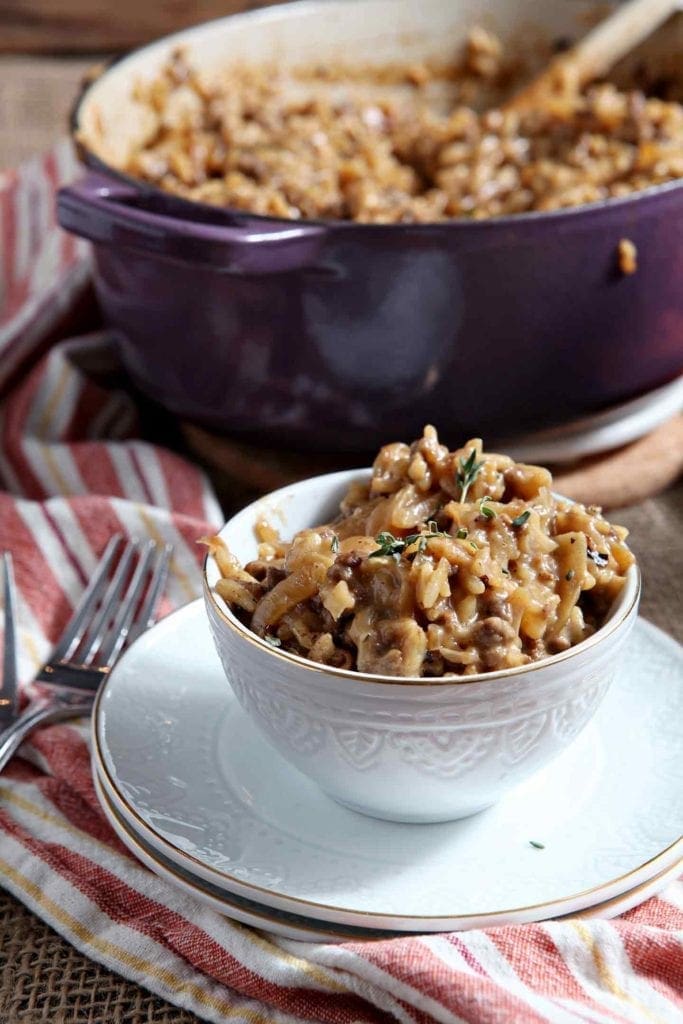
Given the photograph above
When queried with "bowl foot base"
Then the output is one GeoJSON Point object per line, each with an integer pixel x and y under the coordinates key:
{"type": "Point", "coordinates": [408, 818]}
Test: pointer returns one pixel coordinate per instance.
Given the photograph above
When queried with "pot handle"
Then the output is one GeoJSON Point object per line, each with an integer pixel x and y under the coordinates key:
{"type": "Point", "coordinates": [105, 212]}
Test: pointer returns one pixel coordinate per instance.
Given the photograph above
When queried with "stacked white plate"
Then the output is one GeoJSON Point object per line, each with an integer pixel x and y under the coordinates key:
{"type": "Point", "coordinates": [602, 432]}
{"type": "Point", "coordinates": [195, 792]}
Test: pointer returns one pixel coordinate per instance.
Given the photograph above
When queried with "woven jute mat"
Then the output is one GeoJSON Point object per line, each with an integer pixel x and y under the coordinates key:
{"type": "Point", "coordinates": [43, 980]}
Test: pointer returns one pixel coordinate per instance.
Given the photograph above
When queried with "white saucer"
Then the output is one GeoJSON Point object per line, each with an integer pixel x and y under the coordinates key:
{"type": "Point", "coordinates": [602, 432]}
{"type": "Point", "coordinates": [309, 929]}
{"type": "Point", "coordinates": [186, 770]}
{"type": "Point", "coordinates": [292, 926]}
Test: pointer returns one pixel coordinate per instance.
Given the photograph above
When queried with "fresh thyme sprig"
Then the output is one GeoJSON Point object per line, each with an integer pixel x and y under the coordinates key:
{"type": "Point", "coordinates": [468, 471]}
{"type": "Point", "coordinates": [390, 545]}
{"type": "Point", "coordinates": [419, 538]}
{"type": "Point", "coordinates": [423, 538]}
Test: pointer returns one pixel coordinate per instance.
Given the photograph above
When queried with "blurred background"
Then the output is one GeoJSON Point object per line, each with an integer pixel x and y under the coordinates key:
{"type": "Point", "coordinates": [46, 48]}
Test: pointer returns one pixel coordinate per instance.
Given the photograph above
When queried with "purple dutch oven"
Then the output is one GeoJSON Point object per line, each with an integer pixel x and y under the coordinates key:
{"type": "Point", "coordinates": [338, 335]}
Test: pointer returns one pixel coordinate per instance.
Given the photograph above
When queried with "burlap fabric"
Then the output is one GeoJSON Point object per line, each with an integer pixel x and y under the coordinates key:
{"type": "Point", "coordinates": [657, 539]}
{"type": "Point", "coordinates": [42, 978]}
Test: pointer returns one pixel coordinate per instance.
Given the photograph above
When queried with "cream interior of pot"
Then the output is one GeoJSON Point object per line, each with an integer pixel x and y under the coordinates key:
{"type": "Point", "coordinates": [368, 32]}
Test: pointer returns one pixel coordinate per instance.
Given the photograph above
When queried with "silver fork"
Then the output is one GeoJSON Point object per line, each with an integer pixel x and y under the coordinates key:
{"type": "Point", "coordinates": [111, 613]}
{"type": "Point", "coordinates": [9, 696]}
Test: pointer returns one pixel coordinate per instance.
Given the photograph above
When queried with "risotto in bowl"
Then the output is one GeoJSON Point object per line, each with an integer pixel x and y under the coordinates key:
{"type": "Point", "coordinates": [420, 637]}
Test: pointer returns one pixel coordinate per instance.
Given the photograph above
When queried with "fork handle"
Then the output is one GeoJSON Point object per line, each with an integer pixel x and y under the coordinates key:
{"type": "Point", "coordinates": [12, 737]}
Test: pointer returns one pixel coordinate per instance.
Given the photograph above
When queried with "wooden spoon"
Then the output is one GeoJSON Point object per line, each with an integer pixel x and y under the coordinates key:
{"type": "Point", "coordinates": [596, 53]}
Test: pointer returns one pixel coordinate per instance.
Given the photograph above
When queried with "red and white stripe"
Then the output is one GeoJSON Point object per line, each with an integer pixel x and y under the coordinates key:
{"type": "Point", "coordinates": [73, 472]}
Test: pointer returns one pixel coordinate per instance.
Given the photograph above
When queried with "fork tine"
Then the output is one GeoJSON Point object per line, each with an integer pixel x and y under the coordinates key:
{"type": "Point", "coordinates": [145, 617]}
{"type": "Point", "coordinates": [9, 695]}
{"type": "Point", "coordinates": [100, 623]}
{"type": "Point", "coordinates": [118, 631]}
{"type": "Point", "coordinates": [75, 628]}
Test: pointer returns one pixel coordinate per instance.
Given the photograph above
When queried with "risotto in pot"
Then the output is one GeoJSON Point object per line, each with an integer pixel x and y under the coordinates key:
{"type": "Point", "coordinates": [395, 144]}
{"type": "Point", "coordinates": [443, 563]}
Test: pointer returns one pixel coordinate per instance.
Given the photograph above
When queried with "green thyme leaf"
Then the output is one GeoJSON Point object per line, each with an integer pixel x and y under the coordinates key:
{"type": "Point", "coordinates": [484, 509]}
{"type": "Point", "coordinates": [468, 470]}
{"type": "Point", "coordinates": [334, 544]}
{"type": "Point", "coordinates": [419, 538]}
{"type": "Point", "coordinates": [537, 846]}
{"type": "Point", "coordinates": [506, 572]}
{"type": "Point", "coordinates": [569, 575]}
{"type": "Point", "coordinates": [462, 533]}
{"type": "Point", "coordinates": [521, 519]}
{"type": "Point", "coordinates": [274, 641]}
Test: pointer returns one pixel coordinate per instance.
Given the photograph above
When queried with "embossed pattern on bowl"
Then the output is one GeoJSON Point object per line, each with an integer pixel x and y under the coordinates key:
{"type": "Point", "coordinates": [431, 750]}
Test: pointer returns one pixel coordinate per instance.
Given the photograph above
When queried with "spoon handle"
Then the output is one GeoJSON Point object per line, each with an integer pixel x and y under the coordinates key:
{"type": "Point", "coordinates": [596, 53]}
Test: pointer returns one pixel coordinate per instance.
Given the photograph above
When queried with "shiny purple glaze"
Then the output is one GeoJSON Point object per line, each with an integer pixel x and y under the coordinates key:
{"type": "Point", "coordinates": [342, 336]}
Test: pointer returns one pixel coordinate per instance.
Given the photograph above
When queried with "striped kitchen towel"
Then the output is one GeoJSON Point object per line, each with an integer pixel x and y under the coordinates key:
{"type": "Point", "coordinates": [73, 470]}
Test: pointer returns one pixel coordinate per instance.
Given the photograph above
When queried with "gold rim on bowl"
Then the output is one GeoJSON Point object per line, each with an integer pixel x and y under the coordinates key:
{"type": "Point", "coordinates": [245, 633]}
{"type": "Point", "coordinates": [421, 681]}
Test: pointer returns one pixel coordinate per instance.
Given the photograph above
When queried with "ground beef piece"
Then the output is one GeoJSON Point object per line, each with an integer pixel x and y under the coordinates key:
{"type": "Point", "coordinates": [498, 607]}
{"type": "Point", "coordinates": [493, 636]}
{"type": "Point", "coordinates": [397, 649]}
{"type": "Point", "coordinates": [343, 568]}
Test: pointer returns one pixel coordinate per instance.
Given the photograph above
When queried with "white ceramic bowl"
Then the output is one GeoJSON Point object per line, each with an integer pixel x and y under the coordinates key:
{"type": "Point", "coordinates": [408, 750]}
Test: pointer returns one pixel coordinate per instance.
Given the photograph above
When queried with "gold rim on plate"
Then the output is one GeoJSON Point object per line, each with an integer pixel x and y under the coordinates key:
{"type": "Point", "coordinates": [258, 910]}
{"type": "Point", "coordinates": [260, 891]}
{"type": "Point", "coordinates": [318, 925]}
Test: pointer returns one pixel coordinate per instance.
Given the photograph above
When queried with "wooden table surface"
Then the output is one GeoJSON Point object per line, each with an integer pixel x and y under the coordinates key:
{"type": "Point", "coordinates": [36, 94]}
{"type": "Point", "coordinates": [95, 26]}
